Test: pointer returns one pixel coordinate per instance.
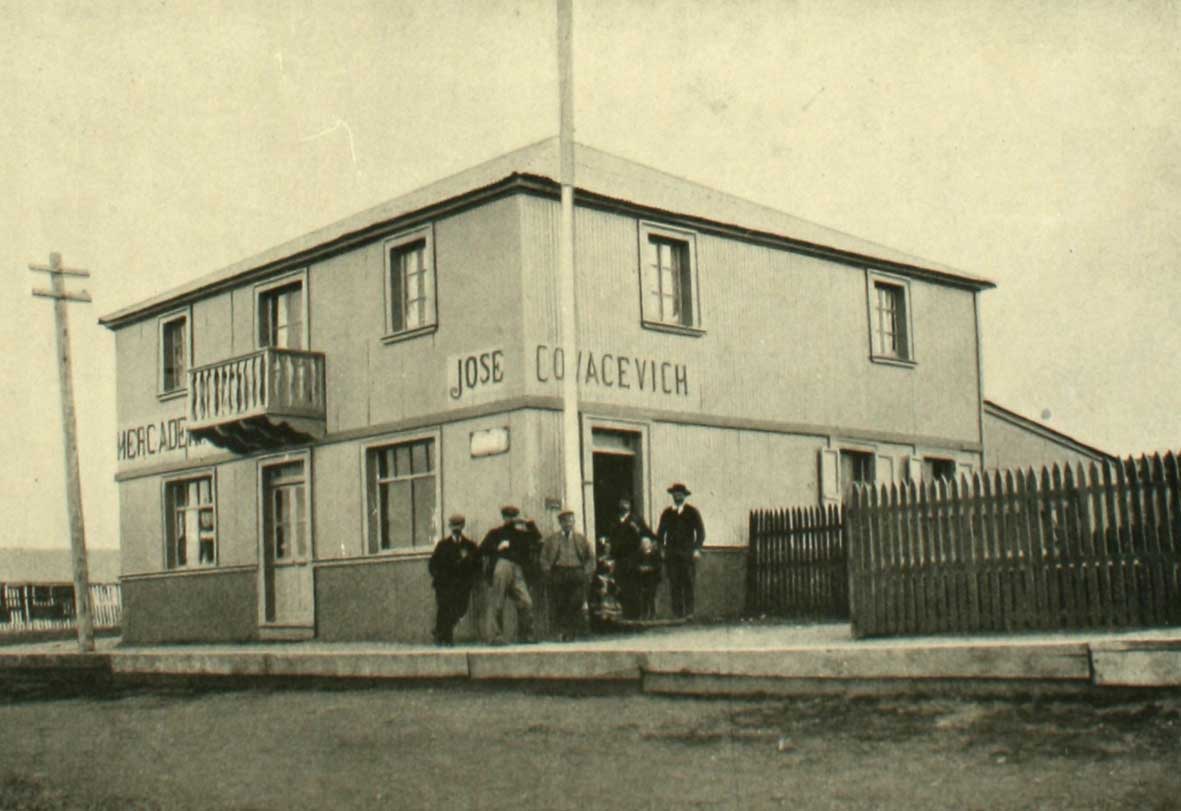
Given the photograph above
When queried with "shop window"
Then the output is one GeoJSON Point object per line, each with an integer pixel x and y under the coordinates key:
{"type": "Point", "coordinates": [410, 284]}
{"type": "Point", "coordinates": [668, 279]}
{"type": "Point", "coordinates": [285, 520]}
{"type": "Point", "coordinates": [403, 495]}
{"type": "Point", "coordinates": [191, 531]}
{"type": "Point", "coordinates": [891, 337]}
{"type": "Point", "coordinates": [174, 354]}
{"type": "Point", "coordinates": [282, 314]}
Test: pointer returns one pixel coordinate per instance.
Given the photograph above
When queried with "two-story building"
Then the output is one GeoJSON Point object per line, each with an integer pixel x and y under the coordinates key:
{"type": "Point", "coordinates": [293, 429]}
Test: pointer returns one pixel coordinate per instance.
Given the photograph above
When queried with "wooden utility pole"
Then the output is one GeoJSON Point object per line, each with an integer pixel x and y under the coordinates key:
{"type": "Point", "coordinates": [60, 298]}
{"type": "Point", "coordinates": [567, 308]}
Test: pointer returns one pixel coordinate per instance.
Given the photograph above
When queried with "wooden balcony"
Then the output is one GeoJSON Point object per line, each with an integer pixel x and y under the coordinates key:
{"type": "Point", "coordinates": [265, 400]}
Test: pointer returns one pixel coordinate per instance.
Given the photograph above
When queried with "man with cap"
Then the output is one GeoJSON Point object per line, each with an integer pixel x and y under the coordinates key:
{"type": "Point", "coordinates": [682, 534]}
{"type": "Point", "coordinates": [508, 551]}
{"type": "Point", "coordinates": [454, 567]}
{"type": "Point", "coordinates": [625, 536]}
{"type": "Point", "coordinates": [568, 563]}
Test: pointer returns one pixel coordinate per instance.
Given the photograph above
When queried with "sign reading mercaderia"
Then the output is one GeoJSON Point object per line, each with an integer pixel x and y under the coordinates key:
{"type": "Point", "coordinates": [152, 439]}
{"type": "Point", "coordinates": [614, 371]}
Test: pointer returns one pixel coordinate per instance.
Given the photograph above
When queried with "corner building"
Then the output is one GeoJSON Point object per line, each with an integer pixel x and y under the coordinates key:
{"type": "Point", "coordinates": [293, 429]}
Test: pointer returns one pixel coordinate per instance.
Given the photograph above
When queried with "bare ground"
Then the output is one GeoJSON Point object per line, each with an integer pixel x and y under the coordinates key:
{"type": "Point", "coordinates": [475, 748]}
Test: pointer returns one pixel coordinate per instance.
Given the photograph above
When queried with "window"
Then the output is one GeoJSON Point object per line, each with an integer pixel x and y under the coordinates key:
{"type": "Point", "coordinates": [891, 338]}
{"type": "Point", "coordinates": [856, 468]}
{"type": "Point", "coordinates": [282, 314]}
{"type": "Point", "coordinates": [285, 516]}
{"type": "Point", "coordinates": [668, 279]}
{"type": "Point", "coordinates": [191, 531]}
{"type": "Point", "coordinates": [174, 354]}
{"type": "Point", "coordinates": [410, 283]}
{"type": "Point", "coordinates": [403, 495]}
{"type": "Point", "coordinates": [935, 468]}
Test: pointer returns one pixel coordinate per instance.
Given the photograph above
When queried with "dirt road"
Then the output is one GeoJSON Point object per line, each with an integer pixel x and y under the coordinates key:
{"type": "Point", "coordinates": [472, 748]}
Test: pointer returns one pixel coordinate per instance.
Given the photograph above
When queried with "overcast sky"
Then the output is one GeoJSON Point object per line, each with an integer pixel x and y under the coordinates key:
{"type": "Point", "coordinates": [1034, 144]}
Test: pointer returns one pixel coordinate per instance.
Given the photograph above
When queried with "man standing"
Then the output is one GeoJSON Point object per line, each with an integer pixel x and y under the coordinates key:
{"type": "Point", "coordinates": [681, 534]}
{"type": "Point", "coordinates": [568, 563]}
{"type": "Point", "coordinates": [508, 550]}
{"type": "Point", "coordinates": [625, 536]}
{"type": "Point", "coordinates": [454, 567]}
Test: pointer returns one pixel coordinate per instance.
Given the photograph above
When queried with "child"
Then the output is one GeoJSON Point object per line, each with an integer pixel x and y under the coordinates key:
{"type": "Point", "coordinates": [648, 577]}
{"type": "Point", "coordinates": [604, 602]}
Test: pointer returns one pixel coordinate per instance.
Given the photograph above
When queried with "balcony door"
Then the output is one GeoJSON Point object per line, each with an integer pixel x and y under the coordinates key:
{"type": "Point", "coordinates": [286, 586]}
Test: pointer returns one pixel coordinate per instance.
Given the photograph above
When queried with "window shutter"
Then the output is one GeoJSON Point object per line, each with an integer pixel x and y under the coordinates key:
{"type": "Point", "coordinates": [914, 469]}
{"type": "Point", "coordinates": [883, 469]}
{"type": "Point", "coordinates": [964, 469]}
{"type": "Point", "coordinates": [830, 477]}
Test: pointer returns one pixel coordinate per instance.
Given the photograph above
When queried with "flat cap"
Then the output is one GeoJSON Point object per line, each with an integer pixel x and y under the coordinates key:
{"type": "Point", "coordinates": [509, 511]}
{"type": "Point", "coordinates": [456, 520]}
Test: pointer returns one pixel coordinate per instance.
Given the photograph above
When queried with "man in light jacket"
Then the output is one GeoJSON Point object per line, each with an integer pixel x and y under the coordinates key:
{"type": "Point", "coordinates": [568, 563]}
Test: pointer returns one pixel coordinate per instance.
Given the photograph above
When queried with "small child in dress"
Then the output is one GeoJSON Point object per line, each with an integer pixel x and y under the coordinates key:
{"type": "Point", "coordinates": [648, 577]}
{"type": "Point", "coordinates": [604, 600]}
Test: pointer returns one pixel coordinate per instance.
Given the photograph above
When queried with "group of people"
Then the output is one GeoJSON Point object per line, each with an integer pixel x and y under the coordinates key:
{"type": "Point", "coordinates": [514, 553]}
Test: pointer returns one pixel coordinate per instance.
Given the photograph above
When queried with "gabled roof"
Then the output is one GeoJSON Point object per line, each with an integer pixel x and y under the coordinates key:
{"type": "Point", "coordinates": [1025, 423]}
{"type": "Point", "coordinates": [23, 565]}
{"type": "Point", "coordinates": [599, 176]}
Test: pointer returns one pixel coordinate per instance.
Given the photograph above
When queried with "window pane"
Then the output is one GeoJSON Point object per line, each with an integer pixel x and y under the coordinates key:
{"type": "Point", "coordinates": [402, 459]}
{"type": "Point", "coordinates": [281, 539]}
{"type": "Point", "coordinates": [397, 282]}
{"type": "Point", "coordinates": [421, 453]}
{"type": "Point", "coordinates": [299, 522]}
{"type": "Point", "coordinates": [424, 510]}
{"type": "Point", "coordinates": [396, 514]}
{"type": "Point", "coordinates": [295, 317]}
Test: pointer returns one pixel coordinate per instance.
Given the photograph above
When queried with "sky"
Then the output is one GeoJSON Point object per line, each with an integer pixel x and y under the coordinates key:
{"type": "Point", "coordinates": [1032, 143]}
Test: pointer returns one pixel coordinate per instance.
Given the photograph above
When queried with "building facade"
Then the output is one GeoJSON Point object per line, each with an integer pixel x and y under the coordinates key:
{"type": "Point", "coordinates": [293, 429]}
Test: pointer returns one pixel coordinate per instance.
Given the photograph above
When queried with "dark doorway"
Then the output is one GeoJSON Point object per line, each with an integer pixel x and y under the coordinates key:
{"type": "Point", "coordinates": [617, 473]}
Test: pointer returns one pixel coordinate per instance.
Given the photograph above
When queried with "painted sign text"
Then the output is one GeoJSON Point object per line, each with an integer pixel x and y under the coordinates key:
{"type": "Point", "coordinates": [615, 371]}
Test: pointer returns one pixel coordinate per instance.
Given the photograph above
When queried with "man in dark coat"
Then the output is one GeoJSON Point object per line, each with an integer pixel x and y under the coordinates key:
{"type": "Point", "coordinates": [568, 562]}
{"type": "Point", "coordinates": [509, 551]}
{"type": "Point", "coordinates": [454, 567]}
{"type": "Point", "coordinates": [625, 536]}
{"type": "Point", "coordinates": [682, 534]}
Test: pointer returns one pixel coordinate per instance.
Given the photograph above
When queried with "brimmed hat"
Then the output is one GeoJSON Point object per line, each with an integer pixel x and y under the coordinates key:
{"type": "Point", "coordinates": [456, 520]}
{"type": "Point", "coordinates": [509, 511]}
{"type": "Point", "coordinates": [679, 488]}
{"type": "Point", "coordinates": [566, 511]}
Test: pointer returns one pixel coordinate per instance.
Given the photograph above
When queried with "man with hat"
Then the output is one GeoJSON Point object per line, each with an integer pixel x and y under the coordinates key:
{"type": "Point", "coordinates": [625, 536]}
{"type": "Point", "coordinates": [508, 551]}
{"type": "Point", "coordinates": [682, 534]}
{"type": "Point", "coordinates": [454, 567]}
{"type": "Point", "coordinates": [568, 563]}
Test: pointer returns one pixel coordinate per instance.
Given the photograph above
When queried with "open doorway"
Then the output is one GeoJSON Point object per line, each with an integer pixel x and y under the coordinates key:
{"type": "Point", "coordinates": [617, 473]}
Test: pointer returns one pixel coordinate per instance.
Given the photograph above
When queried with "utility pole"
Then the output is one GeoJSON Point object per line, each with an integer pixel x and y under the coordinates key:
{"type": "Point", "coordinates": [568, 314]}
{"type": "Point", "coordinates": [61, 297]}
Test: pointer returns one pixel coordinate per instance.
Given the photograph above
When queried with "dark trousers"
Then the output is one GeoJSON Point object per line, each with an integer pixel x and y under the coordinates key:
{"type": "Point", "coordinates": [647, 587]}
{"type": "Point", "coordinates": [567, 593]}
{"type": "Point", "coordinates": [629, 593]}
{"type": "Point", "coordinates": [450, 606]}
{"type": "Point", "coordinates": [681, 574]}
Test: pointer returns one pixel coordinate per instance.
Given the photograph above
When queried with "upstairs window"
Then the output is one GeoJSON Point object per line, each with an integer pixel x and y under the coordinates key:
{"type": "Point", "coordinates": [889, 320]}
{"type": "Point", "coordinates": [410, 283]}
{"type": "Point", "coordinates": [191, 531]}
{"type": "Point", "coordinates": [403, 495]}
{"type": "Point", "coordinates": [282, 313]}
{"type": "Point", "coordinates": [174, 354]}
{"type": "Point", "coordinates": [668, 279]}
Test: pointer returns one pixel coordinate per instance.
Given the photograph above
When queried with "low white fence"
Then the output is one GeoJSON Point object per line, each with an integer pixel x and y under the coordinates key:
{"type": "Point", "coordinates": [30, 607]}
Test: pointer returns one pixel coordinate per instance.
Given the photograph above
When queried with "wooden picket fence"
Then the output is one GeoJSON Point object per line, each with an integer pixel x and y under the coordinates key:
{"type": "Point", "coordinates": [31, 607]}
{"type": "Point", "coordinates": [1086, 547]}
{"type": "Point", "coordinates": [796, 564]}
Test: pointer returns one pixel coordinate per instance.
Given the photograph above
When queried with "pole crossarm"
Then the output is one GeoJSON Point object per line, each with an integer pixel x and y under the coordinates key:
{"type": "Point", "coordinates": [85, 274]}
{"type": "Point", "coordinates": [67, 296]}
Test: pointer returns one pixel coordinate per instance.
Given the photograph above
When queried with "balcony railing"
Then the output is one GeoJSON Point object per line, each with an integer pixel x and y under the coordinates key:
{"type": "Point", "coordinates": [268, 398]}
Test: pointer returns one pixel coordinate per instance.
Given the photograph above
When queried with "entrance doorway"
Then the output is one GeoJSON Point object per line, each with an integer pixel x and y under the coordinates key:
{"type": "Point", "coordinates": [617, 473]}
{"type": "Point", "coordinates": [287, 607]}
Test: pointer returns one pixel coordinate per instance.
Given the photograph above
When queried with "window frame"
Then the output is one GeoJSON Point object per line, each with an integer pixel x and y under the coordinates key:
{"type": "Point", "coordinates": [368, 493]}
{"type": "Point", "coordinates": [263, 289]}
{"type": "Point", "coordinates": [649, 232]}
{"type": "Point", "coordinates": [398, 243]}
{"type": "Point", "coordinates": [167, 512]}
{"type": "Point", "coordinates": [874, 279]}
{"type": "Point", "coordinates": [162, 323]}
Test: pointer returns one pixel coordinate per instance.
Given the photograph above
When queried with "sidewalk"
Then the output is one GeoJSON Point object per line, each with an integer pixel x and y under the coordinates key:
{"type": "Point", "coordinates": [699, 660]}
